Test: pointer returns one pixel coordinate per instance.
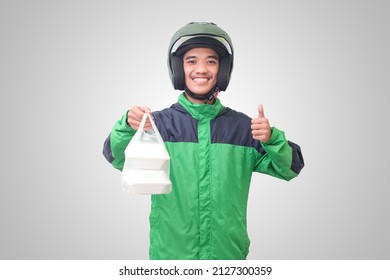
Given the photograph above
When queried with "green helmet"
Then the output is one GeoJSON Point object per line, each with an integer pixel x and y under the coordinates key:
{"type": "Point", "coordinates": [200, 34]}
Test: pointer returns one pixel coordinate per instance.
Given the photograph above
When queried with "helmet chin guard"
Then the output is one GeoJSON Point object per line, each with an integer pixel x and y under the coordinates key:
{"type": "Point", "coordinates": [200, 35]}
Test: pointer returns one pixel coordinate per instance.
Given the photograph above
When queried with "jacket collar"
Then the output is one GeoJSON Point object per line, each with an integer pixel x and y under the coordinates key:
{"type": "Point", "coordinates": [201, 111]}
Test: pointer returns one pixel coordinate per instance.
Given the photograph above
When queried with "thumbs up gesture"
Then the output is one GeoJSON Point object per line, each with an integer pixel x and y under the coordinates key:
{"type": "Point", "coordinates": [261, 130]}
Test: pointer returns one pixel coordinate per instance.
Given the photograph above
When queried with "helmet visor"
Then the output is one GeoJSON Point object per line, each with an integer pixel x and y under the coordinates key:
{"type": "Point", "coordinates": [182, 41]}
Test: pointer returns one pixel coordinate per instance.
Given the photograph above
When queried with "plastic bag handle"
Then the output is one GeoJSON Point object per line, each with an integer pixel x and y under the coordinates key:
{"type": "Point", "coordinates": [142, 124]}
{"type": "Point", "coordinates": [154, 127]}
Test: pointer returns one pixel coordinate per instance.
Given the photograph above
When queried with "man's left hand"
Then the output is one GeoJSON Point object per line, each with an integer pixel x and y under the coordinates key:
{"type": "Point", "coordinates": [261, 130]}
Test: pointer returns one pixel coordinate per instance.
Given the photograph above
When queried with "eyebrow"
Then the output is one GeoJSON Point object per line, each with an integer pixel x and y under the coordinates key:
{"type": "Point", "coordinates": [194, 56]}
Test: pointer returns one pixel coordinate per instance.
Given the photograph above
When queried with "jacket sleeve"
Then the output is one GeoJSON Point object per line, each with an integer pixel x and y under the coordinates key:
{"type": "Point", "coordinates": [117, 141]}
{"type": "Point", "coordinates": [281, 158]}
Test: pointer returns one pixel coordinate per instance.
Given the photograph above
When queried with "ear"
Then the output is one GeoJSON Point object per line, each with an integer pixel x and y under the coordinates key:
{"type": "Point", "coordinates": [177, 73]}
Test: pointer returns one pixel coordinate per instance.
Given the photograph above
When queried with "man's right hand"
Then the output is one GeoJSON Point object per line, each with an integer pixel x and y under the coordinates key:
{"type": "Point", "coordinates": [135, 115]}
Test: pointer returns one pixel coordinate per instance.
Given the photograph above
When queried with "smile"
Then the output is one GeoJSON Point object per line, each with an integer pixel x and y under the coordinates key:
{"type": "Point", "coordinates": [199, 80]}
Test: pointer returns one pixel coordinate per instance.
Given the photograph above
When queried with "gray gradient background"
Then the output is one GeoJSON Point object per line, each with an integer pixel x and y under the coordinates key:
{"type": "Point", "coordinates": [70, 69]}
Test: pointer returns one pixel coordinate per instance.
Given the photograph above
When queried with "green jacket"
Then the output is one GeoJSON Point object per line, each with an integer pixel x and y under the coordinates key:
{"type": "Point", "coordinates": [213, 156]}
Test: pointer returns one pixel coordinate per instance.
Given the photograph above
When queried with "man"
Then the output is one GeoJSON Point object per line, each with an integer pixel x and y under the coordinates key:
{"type": "Point", "coordinates": [213, 149]}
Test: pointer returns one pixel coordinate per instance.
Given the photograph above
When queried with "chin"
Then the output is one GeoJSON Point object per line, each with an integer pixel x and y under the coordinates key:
{"type": "Point", "coordinates": [202, 91]}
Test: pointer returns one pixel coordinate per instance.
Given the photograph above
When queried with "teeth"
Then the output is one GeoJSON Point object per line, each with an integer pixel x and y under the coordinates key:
{"type": "Point", "coordinates": [200, 80]}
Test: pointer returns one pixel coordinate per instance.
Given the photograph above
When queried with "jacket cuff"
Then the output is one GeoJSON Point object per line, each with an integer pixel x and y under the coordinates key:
{"type": "Point", "coordinates": [275, 134]}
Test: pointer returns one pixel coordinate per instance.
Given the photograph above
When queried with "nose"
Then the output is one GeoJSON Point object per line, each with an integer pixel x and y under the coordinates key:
{"type": "Point", "coordinates": [202, 67]}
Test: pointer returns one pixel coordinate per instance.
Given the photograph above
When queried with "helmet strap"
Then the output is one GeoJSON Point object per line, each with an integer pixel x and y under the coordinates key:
{"type": "Point", "coordinates": [210, 96]}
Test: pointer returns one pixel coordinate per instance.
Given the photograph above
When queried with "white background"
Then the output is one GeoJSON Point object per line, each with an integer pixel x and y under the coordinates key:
{"type": "Point", "coordinates": [70, 69]}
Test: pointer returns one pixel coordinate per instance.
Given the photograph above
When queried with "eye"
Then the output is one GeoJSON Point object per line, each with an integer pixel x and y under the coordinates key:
{"type": "Point", "coordinates": [190, 61]}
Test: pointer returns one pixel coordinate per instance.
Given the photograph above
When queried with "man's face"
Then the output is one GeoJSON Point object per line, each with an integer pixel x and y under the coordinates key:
{"type": "Point", "coordinates": [200, 69]}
